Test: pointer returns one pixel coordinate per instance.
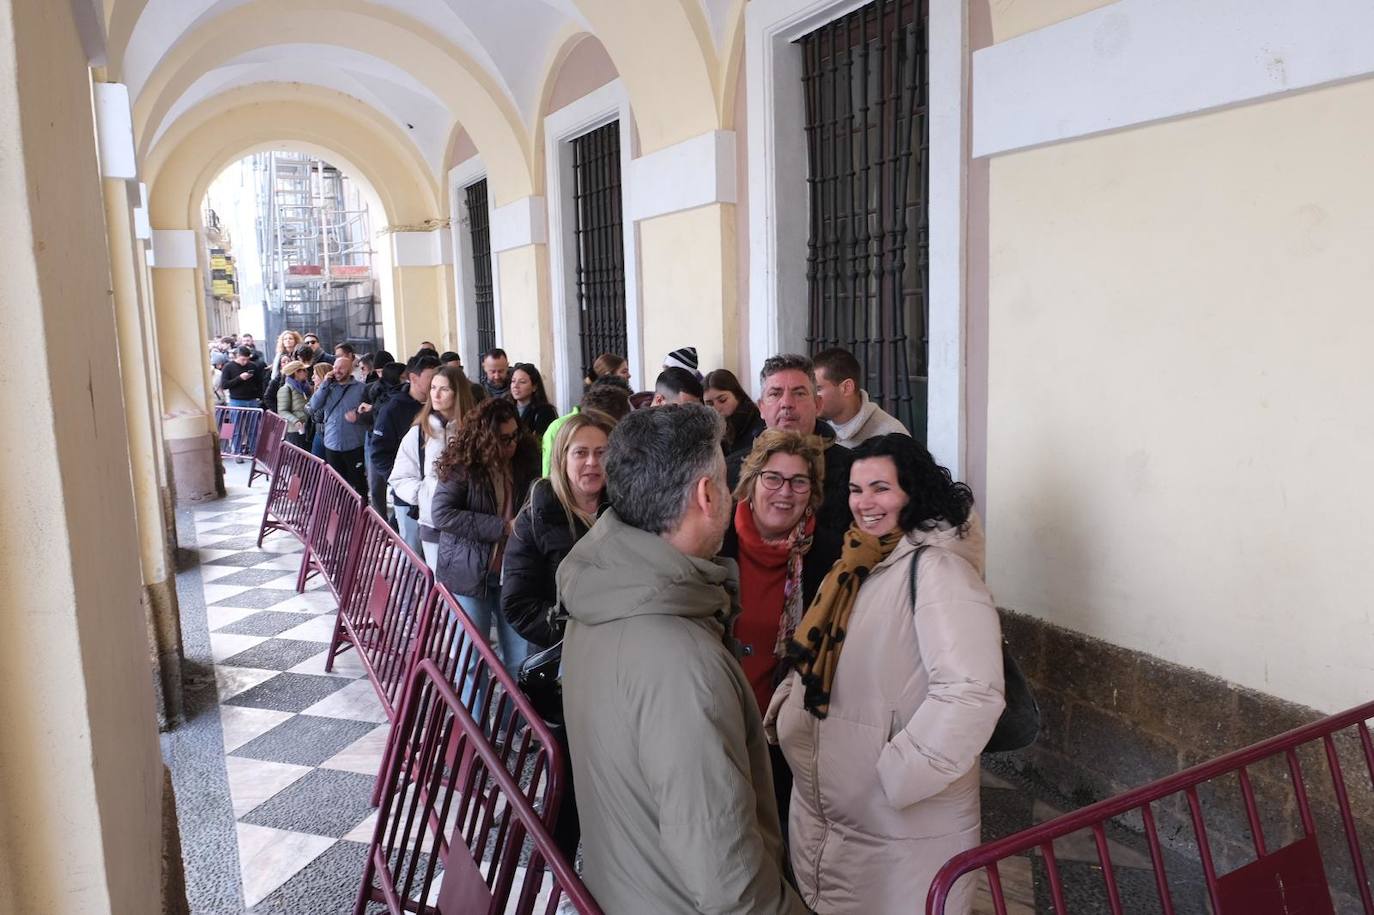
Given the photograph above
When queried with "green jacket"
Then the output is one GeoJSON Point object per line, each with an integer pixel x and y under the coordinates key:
{"type": "Point", "coordinates": [551, 433]}
{"type": "Point", "coordinates": [673, 782]}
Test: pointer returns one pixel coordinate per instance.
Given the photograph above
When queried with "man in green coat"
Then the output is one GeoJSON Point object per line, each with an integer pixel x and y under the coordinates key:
{"type": "Point", "coordinates": [673, 783]}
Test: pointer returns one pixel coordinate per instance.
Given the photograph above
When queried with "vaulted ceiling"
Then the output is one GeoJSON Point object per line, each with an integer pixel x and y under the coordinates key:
{"type": "Point", "coordinates": [430, 67]}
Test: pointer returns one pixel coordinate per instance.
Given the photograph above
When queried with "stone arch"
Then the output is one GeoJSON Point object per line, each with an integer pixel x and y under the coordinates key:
{"type": "Point", "coordinates": [225, 127]}
{"type": "Point", "coordinates": [664, 53]}
{"type": "Point", "coordinates": [468, 91]}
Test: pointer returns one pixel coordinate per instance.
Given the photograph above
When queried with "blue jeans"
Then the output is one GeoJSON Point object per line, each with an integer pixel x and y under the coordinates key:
{"type": "Point", "coordinates": [409, 529]}
{"type": "Point", "coordinates": [510, 645]}
{"type": "Point", "coordinates": [241, 421]}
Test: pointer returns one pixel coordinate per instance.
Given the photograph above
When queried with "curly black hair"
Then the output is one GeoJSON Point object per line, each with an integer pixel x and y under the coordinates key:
{"type": "Point", "coordinates": [932, 494]}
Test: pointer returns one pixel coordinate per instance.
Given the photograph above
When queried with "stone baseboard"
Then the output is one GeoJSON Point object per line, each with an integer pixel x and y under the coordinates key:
{"type": "Point", "coordinates": [1115, 719]}
{"type": "Point", "coordinates": [196, 471]}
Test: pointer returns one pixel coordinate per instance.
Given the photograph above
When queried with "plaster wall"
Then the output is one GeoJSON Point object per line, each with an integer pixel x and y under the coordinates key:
{"type": "Point", "coordinates": [524, 275]}
{"type": "Point", "coordinates": [1010, 19]}
{"type": "Point", "coordinates": [1178, 333]}
{"type": "Point", "coordinates": [80, 774]}
{"type": "Point", "coordinates": [688, 286]}
{"type": "Point", "coordinates": [587, 67]}
{"type": "Point", "coordinates": [422, 301]}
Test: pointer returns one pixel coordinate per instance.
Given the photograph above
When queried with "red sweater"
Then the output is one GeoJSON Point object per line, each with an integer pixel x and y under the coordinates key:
{"type": "Point", "coordinates": [762, 579]}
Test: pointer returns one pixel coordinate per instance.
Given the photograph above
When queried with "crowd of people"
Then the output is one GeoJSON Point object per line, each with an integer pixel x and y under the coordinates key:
{"type": "Point", "coordinates": [704, 560]}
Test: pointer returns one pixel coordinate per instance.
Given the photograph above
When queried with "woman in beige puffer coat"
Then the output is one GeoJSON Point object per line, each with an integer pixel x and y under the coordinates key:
{"type": "Point", "coordinates": [884, 735]}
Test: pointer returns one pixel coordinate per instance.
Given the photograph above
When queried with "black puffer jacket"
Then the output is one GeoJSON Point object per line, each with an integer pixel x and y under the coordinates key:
{"type": "Point", "coordinates": [540, 540]}
{"type": "Point", "coordinates": [470, 528]}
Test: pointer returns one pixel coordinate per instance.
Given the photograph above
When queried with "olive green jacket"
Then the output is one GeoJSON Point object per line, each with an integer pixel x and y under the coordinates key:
{"type": "Point", "coordinates": [673, 782]}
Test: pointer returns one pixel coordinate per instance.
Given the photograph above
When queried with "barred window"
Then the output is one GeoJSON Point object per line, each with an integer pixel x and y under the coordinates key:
{"type": "Point", "coordinates": [865, 82]}
{"type": "Point", "coordinates": [600, 250]}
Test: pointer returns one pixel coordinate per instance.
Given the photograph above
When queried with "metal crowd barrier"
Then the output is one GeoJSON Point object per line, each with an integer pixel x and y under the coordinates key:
{"type": "Point", "coordinates": [384, 603]}
{"type": "Point", "coordinates": [271, 434]}
{"type": "Point", "coordinates": [1291, 878]}
{"type": "Point", "coordinates": [330, 536]}
{"type": "Point", "coordinates": [471, 824]}
{"type": "Point", "coordinates": [291, 497]}
{"type": "Point", "coordinates": [505, 717]}
{"type": "Point", "coordinates": [238, 430]}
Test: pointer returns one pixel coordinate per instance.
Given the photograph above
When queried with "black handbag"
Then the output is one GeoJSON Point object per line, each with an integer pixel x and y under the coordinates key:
{"type": "Point", "coordinates": [539, 679]}
{"type": "Point", "coordinates": [1019, 724]}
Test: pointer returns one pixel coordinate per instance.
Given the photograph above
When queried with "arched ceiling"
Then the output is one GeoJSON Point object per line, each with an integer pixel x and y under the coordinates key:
{"type": "Point", "coordinates": [428, 66]}
{"type": "Point", "coordinates": [377, 83]}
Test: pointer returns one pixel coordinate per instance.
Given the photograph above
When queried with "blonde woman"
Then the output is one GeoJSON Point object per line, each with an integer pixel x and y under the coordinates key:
{"type": "Point", "coordinates": [412, 479]}
{"type": "Point", "coordinates": [561, 508]}
{"type": "Point", "coordinates": [287, 341]}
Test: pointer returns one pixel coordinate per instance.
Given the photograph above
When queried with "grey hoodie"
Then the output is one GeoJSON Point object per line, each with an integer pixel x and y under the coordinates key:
{"type": "Point", "coordinates": [674, 788]}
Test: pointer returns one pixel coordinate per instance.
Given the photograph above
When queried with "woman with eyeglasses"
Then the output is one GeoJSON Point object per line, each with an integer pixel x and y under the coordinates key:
{"type": "Point", "coordinates": [484, 474]}
{"type": "Point", "coordinates": [783, 556]}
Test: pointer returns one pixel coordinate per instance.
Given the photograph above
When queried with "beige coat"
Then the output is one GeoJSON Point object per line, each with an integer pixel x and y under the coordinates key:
{"type": "Point", "coordinates": [886, 787]}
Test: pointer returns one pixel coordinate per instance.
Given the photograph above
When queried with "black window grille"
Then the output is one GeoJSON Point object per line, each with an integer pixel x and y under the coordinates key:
{"type": "Point", "coordinates": [865, 81]}
{"type": "Point", "coordinates": [600, 252]}
{"type": "Point", "coordinates": [479, 229]}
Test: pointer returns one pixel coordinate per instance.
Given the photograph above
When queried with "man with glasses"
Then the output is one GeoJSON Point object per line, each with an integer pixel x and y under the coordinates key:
{"type": "Point", "coordinates": [789, 401]}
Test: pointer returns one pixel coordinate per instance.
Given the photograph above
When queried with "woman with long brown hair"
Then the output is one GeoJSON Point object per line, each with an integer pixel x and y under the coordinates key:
{"type": "Point", "coordinates": [727, 396]}
{"type": "Point", "coordinates": [483, 475]}
{"type": "Point", "coordinates": [412, 479]}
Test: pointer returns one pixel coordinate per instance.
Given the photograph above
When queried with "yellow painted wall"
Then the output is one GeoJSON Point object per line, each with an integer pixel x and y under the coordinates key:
{"type": "Point", "coordinates": [421, 301]}
{"type": "Point", "coordinates": [1179, 394]}
{"type": "Point", "coordinates": [526, 323]}
{"type": "Point", "coordinates": [1010, 18]}
{"type": "Point", "coordinates": [80, 770]}
{"type": "Point", "coordinates": [185, 369]}
{"type": "Point", "coordinates": [687, 286]}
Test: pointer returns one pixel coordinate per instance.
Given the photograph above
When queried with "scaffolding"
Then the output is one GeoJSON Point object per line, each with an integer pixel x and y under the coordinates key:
{"type": "Point", "coordinates": [316, 246]}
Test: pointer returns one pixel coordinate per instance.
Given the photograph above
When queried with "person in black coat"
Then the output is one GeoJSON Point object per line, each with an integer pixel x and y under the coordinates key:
{"type": "Point", "coordinates": [484, 475]}
{"type": "Point", "coordinates": [527, 390]}
{"type": "Point", "coordinates": [561, 509]}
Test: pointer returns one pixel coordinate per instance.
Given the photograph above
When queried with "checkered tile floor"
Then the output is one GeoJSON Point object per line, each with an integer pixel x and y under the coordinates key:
{"type": "Point", "coordinates": [302, 746]}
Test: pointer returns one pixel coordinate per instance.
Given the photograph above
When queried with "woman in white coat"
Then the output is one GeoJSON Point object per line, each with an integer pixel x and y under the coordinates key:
{"type": "Point", "coordinates": [412, 477]}
{"type": "Point", "coordinates": [889, 705]}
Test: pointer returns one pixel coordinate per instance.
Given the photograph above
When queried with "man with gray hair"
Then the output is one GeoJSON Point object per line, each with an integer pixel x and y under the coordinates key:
{"type": "Point", "coordinates": [674, 789]}
{"type": "Point", "coordinates": [788, 400]}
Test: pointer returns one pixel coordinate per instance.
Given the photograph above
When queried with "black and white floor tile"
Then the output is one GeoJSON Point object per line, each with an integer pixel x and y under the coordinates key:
{"type": "Point", "coordinates": [301, 746]}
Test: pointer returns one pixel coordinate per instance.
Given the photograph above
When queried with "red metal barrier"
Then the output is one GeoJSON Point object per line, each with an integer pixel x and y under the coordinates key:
{"type": "Point", "coordinates": [271, 433]}
{"type": "Point", "coordinates": [386, 598]}
{"type": "Point", "coordinates": [238, 430]}
{"type": "Point", "coordinates": [472, 826]}
{"type": "Point", "coordinates": [334, 524]}
{"type": "Point", "coordinates": [1287, 879]}
{"type": "Point", "coordinates": [291, 498]}
{"type": "Point", "coordinates": [491, 696]}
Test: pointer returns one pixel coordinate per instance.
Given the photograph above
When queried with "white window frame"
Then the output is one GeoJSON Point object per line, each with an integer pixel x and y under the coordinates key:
{"type": "Point", "coordinates": [609, 103]}
{"type": "Point", "coordinates": [778, 205]}
{"type": "Point", "coordinates": [460, 178]}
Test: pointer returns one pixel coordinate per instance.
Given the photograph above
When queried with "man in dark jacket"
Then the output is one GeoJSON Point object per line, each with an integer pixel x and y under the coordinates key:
{"type": "Point", "coordinates": [241, 379]}
{"type": "Point", "coordinates": [390, 425]}
{"type": "Point", "coordinates": [673, 786]}
{"type": "Point", "coordinates": [789, 401]}
{"type": "Point", "coordinates": [495, 373]}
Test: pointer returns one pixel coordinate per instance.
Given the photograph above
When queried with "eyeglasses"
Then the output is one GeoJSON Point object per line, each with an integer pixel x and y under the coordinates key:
{"type": "Point", "coordinates": [509, 439]}
{"type": "Point", "coordinates": [772, 481]}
